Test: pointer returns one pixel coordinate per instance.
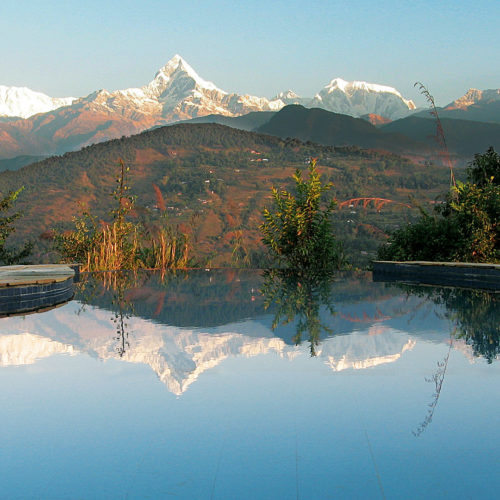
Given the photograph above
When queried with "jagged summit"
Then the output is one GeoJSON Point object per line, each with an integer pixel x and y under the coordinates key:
{"type": "Point", "coordinates": [177, 69]}
{"type": "Point", "coordinates": [475, 96]}
{"type": "Point", "coordinates": [290, 97]}
{"type": "Point", "coordinates": [287, 94]}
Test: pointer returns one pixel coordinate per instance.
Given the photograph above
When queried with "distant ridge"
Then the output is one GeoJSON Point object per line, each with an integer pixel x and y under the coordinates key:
{"type": "Point", "coordinates": [19, 162]}
{"type": "Point", "coordinates": [333, 129]}
{"type": "Point", "coordinates": [463, 137]}
{"type": "Point", "coordinates": [249, 122]}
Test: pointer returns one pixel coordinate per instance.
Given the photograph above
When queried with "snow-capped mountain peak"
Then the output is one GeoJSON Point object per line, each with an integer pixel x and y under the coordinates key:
{"type": "Point", "coordinates": [24, 102]}
{"type": "Point", "coordinates": [351, 87]}
{"type": "Point", "coordinates": [177, 69]}
{"type": "Point", "coordinates": [288, 94]}
{"type": "Point", "coordinates": [475, 96]}
{"type": "Point", "coordinates": [290, 97]}
{"type": "Point", "coordinates": [358, 98]}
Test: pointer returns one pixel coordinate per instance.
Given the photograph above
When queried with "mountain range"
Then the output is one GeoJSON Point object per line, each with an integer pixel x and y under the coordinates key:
{"type": "Point", "coordinates": [34, 124]}
{"type": "Point", "coordinates": [178, 92]}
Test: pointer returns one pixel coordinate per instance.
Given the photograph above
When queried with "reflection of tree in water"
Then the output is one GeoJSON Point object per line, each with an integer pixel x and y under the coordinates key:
{"type": "Point", "coordinates": [438, 379]}
{"type": "Point", "coordinates": [475, 318]}
{"type": "Point", "coordinates": [117, 283]}
{"type": "Point", "coordinates": [122, 311]}
{"type": "Point", "coordinates": [474, 314]}
{"type": "Point", "coordinates": [299, 297]}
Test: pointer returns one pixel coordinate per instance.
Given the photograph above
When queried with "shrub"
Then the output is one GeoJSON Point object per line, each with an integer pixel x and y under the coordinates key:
{"type": "Point", "coordinates": [466, 228]}
{"type": "Point", "coordinates": [298, 230]}
{"type": "Point", "coordinates": [10, 256]}
{"type": "Point", "coordinates": [122, 244]}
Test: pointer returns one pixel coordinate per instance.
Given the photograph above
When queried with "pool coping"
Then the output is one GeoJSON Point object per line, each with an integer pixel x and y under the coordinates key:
{"type": "Point", "coordinates": [464, 274]}
{"type": "Point", "coordinates": [24, 275]}
{"type": "Point", "coordinates": [26, 288]}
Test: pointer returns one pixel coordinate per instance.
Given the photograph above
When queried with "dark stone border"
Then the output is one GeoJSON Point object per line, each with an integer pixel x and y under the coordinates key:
{"type": "Point", "coordinates": [27, 298]}
{"type": "Point", "coordinates": [480, 276]}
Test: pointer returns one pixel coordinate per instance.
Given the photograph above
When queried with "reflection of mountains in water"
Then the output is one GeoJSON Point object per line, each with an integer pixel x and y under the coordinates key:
{"type": "Point", "coordinates": [373, 325]}
{"type": "Point", "coordinates": [220, 297]}
{"type": "Point", "coordinates": [178, 355]}
{"type": "Point", "coordinates": [188, 299]}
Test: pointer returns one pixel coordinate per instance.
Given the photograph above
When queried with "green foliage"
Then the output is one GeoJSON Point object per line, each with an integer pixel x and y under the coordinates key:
{"type": "Point", "coordinates": [180, 159]}
{"type": "Point", "coordinates": [166, 248]}
{"type": "Point", "coordinates": [106, 246]}
{"type": "Point", "coordinates": [466, 228]}
{"type": "Point", "coordinates": [116, 245]}
{"type": "Point", "coordinates": [485, 168]}
{"type": "Point", "coordinates": [9, 256]}
{"type": "Point", "coordinates": [299, 231]}
{"type": "Point", "coordinates": [76, 245]}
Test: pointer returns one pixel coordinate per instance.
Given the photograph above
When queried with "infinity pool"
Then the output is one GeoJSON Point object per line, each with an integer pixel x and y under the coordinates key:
{"type": "Point", "coordinates": [179, 387]}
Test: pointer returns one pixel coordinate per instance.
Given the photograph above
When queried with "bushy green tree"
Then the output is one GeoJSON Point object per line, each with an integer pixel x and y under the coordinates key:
{"type": "Point", "coordinates": [465, 228]}
{"type": "Point", "coordinates": [298, 230]}
{"type": "Point", "coordinates": [485, 168]}
{"type": "Point", "coordinates": [10, 256]}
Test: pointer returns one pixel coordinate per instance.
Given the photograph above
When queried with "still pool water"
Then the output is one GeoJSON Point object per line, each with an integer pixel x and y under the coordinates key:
{"type": "Point", "coordinates": [143, 387]}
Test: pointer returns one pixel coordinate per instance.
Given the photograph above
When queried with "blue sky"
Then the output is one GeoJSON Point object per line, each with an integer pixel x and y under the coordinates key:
{"type": "Point", "coordinates": [258, 47]}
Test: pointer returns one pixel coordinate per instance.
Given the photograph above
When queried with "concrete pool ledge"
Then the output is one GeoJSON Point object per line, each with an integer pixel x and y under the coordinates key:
{"type": "Point", "coordinates": [35, 288]}
{"type": "Point", "coordinates": [36, 275]}
{"type": "Point", "coordinates": [464, 274]}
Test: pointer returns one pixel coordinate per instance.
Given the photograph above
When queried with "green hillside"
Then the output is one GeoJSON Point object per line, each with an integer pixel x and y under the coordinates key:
{"type": "Point", "coordinates": [214, 181]}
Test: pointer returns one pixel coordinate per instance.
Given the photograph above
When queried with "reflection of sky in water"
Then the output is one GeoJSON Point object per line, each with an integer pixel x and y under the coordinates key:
{"type": "Point", "coordinates": [262, 419]}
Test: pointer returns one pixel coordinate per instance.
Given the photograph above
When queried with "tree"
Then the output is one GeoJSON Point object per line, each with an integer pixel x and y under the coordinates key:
{"type": "Point", "coordinates": [10, 256]}
{"type": "Point", "coordinates": [298, 231]}
{"type": "Point", "coordinates": [465, 228]}
{"type": "Point", "coordinates": [485, 168]}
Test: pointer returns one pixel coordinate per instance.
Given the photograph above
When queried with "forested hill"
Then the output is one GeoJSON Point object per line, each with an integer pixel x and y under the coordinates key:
{"type": "Point", "coordinates": [213, 182]}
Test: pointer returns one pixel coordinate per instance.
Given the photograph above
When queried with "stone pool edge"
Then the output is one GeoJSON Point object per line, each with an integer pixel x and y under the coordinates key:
{"type": "Point", "coordinates": [463, 274]}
